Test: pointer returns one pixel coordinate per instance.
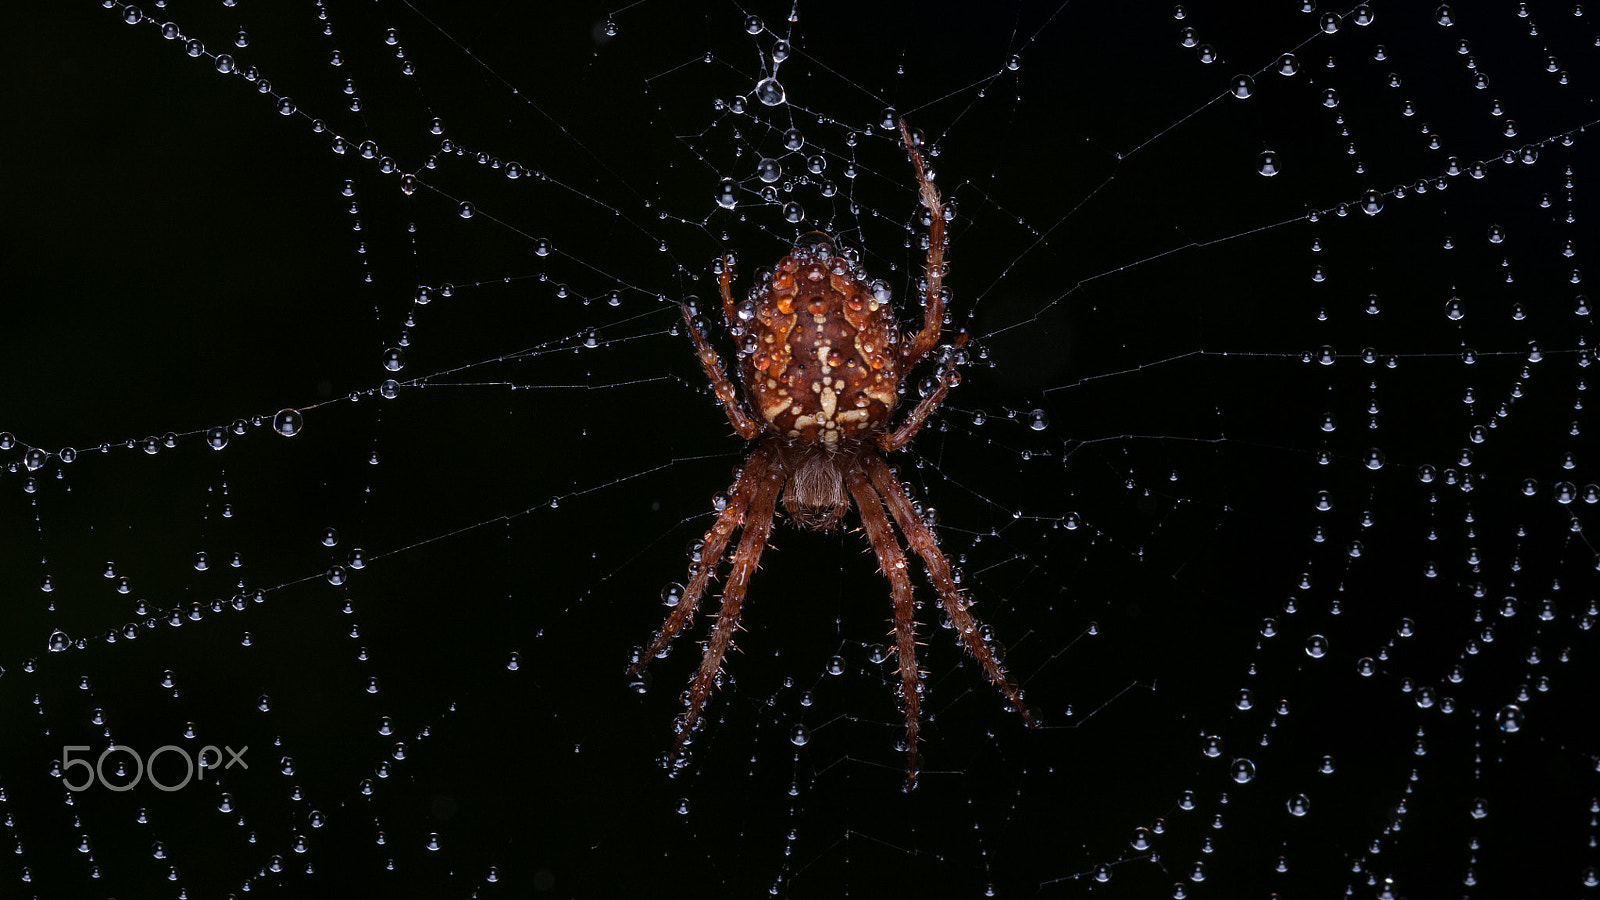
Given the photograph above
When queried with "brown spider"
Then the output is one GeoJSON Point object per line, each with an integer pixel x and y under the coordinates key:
{"type": "Point", "coordinates": [823, 361]}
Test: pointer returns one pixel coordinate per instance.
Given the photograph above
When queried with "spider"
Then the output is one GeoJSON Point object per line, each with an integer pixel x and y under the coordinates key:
{"type": "Point", "coordinates": [822, 361]}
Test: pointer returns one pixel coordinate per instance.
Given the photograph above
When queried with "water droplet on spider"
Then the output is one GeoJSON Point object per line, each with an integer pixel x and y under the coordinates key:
{"type": "Point", "coordinates": [288, 422]}
{"type": "Point", "coordinates": [394, 359]}
{"type": "Point", "coordinates": [1243, 771]}
{"type": "Point", "coordinates": [672, 594]}
{"type": "Point", "coordinates": [1242, 86]}
{"type": "Point", "coordinates": [1038, 420]}
{"type": "Point", "coordinates": [799, 735]}
{"type": "Point", "coordinates": [1268, 163]}
{"type": "Point", "coordinates": [1509, 718]}
{"type": "Point", "coordinates": [770, 92]}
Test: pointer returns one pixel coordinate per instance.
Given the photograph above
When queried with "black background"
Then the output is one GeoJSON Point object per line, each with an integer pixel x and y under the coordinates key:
{"type": "Point", "coordinates": [180, 255]}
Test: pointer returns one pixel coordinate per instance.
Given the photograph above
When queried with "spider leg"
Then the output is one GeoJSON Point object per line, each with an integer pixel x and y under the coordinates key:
{"type": "Point", "coordinates": [933, 296]}
{"type": "Point", "coordinates": [763, 499]}
{"type": "Point", "coordinates": [747, 427]}
{"type": "Point", "coordinates": [725, 289]}
{"type": "Point", "coordinates": [893, 563]}
{"type": "Point", "coordinates": [891, 441]}
{"type": "Point", "coordinates": [921, 539]}
{"type": "Point", "coordinates": [716, 541]}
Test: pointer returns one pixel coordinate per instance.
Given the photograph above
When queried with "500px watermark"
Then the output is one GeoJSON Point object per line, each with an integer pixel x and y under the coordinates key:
{"type": "Point", "coordinates": [199, 763]}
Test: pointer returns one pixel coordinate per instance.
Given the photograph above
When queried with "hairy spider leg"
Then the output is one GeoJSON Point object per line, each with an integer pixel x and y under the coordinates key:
{"type": "Point", "coordinates": [716, 539]}
{"type": "Point", "coordinates": [730, 315]}
{"type": "Point", "coordinates": [915, 349]}
{"type": "Point", "coordinates": [921, 539]}
{"type": "Point", "coordinates": [764, 498]}
{"type": "Point", "coordinates": [721, 385]}
{"type": "Point", "coordinates": [893, 562]}
{"type": "Point", "coordinates": [890, 441]}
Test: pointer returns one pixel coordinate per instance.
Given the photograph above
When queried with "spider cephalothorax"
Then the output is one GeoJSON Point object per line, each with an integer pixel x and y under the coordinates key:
{"type": "Point", "coordinates": [821, 358]}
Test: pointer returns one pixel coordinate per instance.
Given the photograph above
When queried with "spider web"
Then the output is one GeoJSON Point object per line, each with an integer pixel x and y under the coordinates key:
{"type": "Point", "coordinates": [1272, 487]}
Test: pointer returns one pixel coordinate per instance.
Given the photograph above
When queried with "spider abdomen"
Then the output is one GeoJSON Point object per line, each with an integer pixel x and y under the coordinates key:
{"type": "Point", "coordinates": [826, 364]}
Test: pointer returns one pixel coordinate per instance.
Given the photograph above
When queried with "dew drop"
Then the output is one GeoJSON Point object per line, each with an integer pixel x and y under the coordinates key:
{"type": "Point", "coordinates": [288, 422]}
{"type": "Point", "coordinates": [770, 92]}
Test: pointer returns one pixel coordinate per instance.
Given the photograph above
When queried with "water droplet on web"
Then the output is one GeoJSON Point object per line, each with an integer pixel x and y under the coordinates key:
{"type": "Point", "coordinates": [1316, 646]}
{"type": "Point", "coordinates": [288, 422]}
{"type": "Point", "coordinates": [1243, 771]}
{"type": "Point", "coordinates": [836, 665]}
{"type": "Point", "coordinates": [770, 92]}
{"type": "Point", "coordinates": [394, 359]}
{"type": "Point", "coordinates": [799, 735]}
{"type": "Point", "coordinates": [1038, 420]}
{"type": "Point", "coordinates": [1242, 86]}
{"type": "Point", "coordinates": [1268, 163]}
{"type": "Point", "coordinates": [768, 170]}
{"type": "Point", "coordinates": [752, 24]}
{"type": "Point", "coordinates": [59, 642]}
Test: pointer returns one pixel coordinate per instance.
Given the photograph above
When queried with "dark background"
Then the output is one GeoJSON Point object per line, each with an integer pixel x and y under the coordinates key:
{"type": "Point", "coordinates": [180, 255]}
